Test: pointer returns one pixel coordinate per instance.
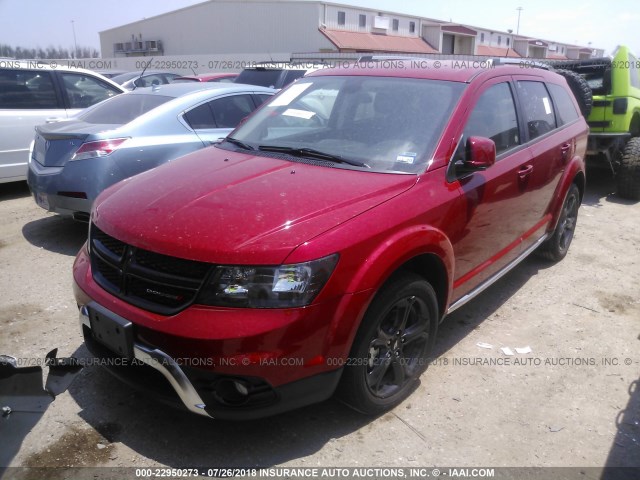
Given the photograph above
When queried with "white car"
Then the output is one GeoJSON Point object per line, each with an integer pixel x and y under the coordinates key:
{"type": "Point", "coordinates": [33, 92]}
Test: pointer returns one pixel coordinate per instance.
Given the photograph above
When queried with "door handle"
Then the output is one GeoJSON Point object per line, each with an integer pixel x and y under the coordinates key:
{"type": "Point", "coordinates": [525, 171]}
{"type": "Point", "coordinates": [53, 119]}
{"type": "Point", "coordinates": [564, 150]}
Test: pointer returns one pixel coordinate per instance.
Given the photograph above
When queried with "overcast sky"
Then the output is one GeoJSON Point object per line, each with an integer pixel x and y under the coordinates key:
{"type": "Point", "coordinates": [32, 23]}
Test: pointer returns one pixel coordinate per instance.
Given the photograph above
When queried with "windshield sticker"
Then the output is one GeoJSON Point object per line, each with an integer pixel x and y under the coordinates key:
{"type": "Point", "coordinates": [547, 106]}
{"type": "Point", "coordinates": [292, 112]}
{"type": "Point", "coordinates": [406, 157]}
{"type": "Point", "coordinates": [286, 97]}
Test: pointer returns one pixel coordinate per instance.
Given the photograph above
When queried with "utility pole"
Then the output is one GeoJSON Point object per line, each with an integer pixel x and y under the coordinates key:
{"type": "Point", "coordinates": [75, 43]}
{"type": "Point", "coordinates": [519, 12]}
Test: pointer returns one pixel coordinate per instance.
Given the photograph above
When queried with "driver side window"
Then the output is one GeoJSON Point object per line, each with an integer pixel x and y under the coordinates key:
{"type": "Point", "coordinates": [494, 116]}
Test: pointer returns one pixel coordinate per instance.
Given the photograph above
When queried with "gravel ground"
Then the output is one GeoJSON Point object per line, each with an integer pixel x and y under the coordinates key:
{"type": "Point", "coordinates": [573, 401]}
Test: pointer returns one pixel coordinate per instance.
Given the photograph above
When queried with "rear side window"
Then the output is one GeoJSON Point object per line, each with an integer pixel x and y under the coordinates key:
{"type": "Point", "coordinates": [567, 112]}
{"type": "Point", "coordinates": [123, 108]}
{"type": "Point", "coordinates": [84, 91]}
{"type": "Point", "coordinates": [494, 117]}
{"type": "Point", "coordinates": [228, 111]}
{"type": "Point", "coordinates": [24, 89]}
{"type": "Point", "coordinates": [200, 117]}
{"type": "Point", "coordinates": [151, 80]}
{"type": "Point", "coordinates": [536, 107]}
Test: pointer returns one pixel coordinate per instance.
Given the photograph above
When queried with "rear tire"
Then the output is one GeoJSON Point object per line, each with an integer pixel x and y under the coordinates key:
{"type": "Point", "coordinates": [392, 347]}
{"type": "Point", "coordinates": [557, 246]}
{"type": "Point", "coordinates": [628, 174]}
{"type": "Point", "coordinates": [580, 89]}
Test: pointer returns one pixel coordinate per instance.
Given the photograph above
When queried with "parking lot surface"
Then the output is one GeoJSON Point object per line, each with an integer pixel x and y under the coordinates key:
{"type": "Point", "coordinates": [573, 400]}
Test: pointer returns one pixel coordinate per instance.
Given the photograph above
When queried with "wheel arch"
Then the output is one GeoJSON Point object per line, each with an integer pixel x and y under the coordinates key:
{"type": "Point", "coordinates": [634, 126]}
{"type": "Point", "coordinates": [431, 267]}
{"type": "Point", "coordinates": [581, 182]}
{"type": "Point", "coordinates": [422, 249]}
{"type": "Point", "coordinates": [574, 174]}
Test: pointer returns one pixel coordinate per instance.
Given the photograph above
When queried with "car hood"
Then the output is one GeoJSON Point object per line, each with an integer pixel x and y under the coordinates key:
{"type": "Point", "coordinates": [225, 207]}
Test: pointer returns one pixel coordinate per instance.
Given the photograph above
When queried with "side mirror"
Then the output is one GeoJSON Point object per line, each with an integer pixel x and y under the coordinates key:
{"type": "Point", "coordinates": [480, 154]}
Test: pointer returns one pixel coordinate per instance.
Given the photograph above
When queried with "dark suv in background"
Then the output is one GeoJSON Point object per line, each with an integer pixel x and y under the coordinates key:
{"type": "Point", "coordinates": [274, 74]}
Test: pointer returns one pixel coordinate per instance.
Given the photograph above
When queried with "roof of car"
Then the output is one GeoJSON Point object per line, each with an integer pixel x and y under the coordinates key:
{"type": "Point", "coordinates": [207, 76]}
{"type": "Point", "coordinates": [273, 65]}
{"type": "Point", "coordinates": [50, 65]}
{"type": "Point", "coordinates": [129, 75]}
{"type": "Point", "coordinates": [180, 89]}
{"type": "Point", "coordinates": [452, 70]}
{"type": "Point", "coordinates": [42, 65]}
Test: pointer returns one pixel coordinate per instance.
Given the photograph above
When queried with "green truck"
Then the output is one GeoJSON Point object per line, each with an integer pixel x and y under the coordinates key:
{"type": "Point", "coordinates": [611, 104]}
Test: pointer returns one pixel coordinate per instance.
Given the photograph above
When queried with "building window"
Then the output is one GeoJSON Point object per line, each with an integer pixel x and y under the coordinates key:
{"type": "Point", "coordinates": [508, 41]}
{"type": "Point", "coordinates": [341, 18]}
{"type": "Point", "coordinates": [396, 24]}
{"type": "Point", "coordinates": [482, 37]}
{"type": "Point", "coordinates": [412, 27]}
{"type": "Point", "coordinates": [363, 20]}
{"type": "Point", "coordinates": [499, 39]}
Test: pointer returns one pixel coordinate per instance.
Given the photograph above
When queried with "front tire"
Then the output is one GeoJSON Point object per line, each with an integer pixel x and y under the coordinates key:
{"type": "Point", "coordinates": [392, 347]}
{"type": "Point", "coordinates": [557, 246]}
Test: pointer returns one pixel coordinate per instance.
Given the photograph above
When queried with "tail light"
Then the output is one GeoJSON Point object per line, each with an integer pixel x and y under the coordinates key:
{"type": "Point", "coordinates": [99, 148]}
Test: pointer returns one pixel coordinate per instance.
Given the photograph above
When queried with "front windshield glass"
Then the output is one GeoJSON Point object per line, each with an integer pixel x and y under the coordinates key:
{"type": "Point", "coordinates": [599, 80]}
{"type": "Point", "coordinates": [377, 123]}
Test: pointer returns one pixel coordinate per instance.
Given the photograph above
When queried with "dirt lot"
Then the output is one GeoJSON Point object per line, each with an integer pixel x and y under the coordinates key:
{"type": "Point", "coordinates": [573, 401]}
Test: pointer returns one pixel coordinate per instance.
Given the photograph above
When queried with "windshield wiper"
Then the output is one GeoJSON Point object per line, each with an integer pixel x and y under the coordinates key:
{"type": "Point", "coordinates": [313, 153]}
{"type": "Point", "coordinates": [238, 143]}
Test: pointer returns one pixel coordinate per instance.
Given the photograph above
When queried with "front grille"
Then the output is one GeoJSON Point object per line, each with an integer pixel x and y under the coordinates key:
{"type": "Point", "coordinates": [158, 283]}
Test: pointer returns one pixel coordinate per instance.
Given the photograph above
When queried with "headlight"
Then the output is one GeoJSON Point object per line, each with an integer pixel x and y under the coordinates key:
{"type": "Point", "coordinates": [283, 286]}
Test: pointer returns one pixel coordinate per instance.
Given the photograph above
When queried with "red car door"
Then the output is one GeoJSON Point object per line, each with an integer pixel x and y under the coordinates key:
{"type": "Point", "coordinates": [550, 148]}
{"type": "Point", "coordinates": [495, 199]}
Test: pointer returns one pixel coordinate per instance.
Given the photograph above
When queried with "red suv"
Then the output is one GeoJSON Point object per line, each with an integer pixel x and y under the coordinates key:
{"type": "Point", "coordinates": [319, 246]}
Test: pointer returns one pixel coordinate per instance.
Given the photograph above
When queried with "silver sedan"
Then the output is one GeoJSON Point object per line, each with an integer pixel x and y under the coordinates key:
{"type": "Point", "coordinates": [71, 162]}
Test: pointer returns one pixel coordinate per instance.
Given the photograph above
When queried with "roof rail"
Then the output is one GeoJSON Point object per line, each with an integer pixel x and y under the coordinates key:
{"type": "Point", "coordinates": [576, 64]}
{"type": "Point", "coordinates": [382, 58]}
{"type": "Point", "coordinates": [530, 63]}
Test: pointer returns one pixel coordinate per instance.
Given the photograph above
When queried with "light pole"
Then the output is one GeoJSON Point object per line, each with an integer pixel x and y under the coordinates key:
{"type": "Point", "coordinates": [519, 12]}
{"type": "Point", "coordinates": [75, 44]}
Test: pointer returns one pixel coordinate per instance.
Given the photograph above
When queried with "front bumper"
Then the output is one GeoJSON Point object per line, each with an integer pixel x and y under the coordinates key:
{"type": "Point", "coordinates": [201, 391]}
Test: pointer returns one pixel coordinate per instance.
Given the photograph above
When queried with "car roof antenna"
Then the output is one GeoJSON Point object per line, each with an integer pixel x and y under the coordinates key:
{"type": "Point", "coordinates": [142, 73]}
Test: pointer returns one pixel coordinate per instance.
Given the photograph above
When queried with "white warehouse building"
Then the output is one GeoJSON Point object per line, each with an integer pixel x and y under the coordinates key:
{"type": "Point", "coordinates": [308, 29]}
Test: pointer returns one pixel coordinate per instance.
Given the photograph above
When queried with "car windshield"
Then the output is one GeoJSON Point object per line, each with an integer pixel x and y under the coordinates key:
{"type": "Point", "coordinates": [123, 77]}
{"type": "Point", "coordinates": [599, 80]}
{"type": "Point", "coordinates": [377, 123]}
{"type": "Point", "coordinates": [122, 108]}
